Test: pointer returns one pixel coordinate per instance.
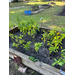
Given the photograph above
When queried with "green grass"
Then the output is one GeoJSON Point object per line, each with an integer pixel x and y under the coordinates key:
{"type": "Point", "coordinates": [49, 19]}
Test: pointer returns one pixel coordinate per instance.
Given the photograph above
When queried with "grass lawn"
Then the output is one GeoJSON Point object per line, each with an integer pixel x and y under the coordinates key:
{"type": "Point", "coordinates": [49, 19]}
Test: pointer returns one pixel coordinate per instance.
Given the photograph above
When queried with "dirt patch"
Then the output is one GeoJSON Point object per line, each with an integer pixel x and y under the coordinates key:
{"type": "Point", "coordinates": [43, 52]}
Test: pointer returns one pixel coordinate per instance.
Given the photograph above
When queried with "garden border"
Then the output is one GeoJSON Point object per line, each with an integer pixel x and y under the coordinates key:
{"type": "Point", "coordinates": [44, 68]}
{"type": "Point", "coordinates": [35, 12]}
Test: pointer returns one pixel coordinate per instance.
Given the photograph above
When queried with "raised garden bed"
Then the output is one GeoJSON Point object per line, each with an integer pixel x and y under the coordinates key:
{"type": "Point", "coordinates": [45, 6]}
{"type": "Point", "coordinates": [61, 12]}
{"type": "Point", "coordinates": [45, 59]}
{"type": "Point", "coordinates": [29, 12]}
{"type": "Point", "coordinates": [37, 11]}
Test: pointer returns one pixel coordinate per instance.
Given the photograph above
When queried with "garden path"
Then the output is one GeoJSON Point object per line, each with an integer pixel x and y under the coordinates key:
{"type": "Point", "coordinates": [16, 7]}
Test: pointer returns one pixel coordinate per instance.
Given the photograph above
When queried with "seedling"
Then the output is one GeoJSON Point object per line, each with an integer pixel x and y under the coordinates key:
{"type": "Point", "coordinates": [27, 46]}
{"type": "Point", "coordinates": [18, 40]}
{"type": "Point", "coordinates": [37, 46]}
{"type": "Point", "coordinates": [61, 60]}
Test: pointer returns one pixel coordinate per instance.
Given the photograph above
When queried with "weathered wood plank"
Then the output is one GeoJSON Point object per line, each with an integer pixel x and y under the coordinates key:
{"type": "Point", "coordinates": [13, 30]}
{"type": "Point", "coordinates": [35, 12]}
{"type": "Point", "coordinates": [46, 28]}
{"type": "Point", "coordinates": [44, 69]}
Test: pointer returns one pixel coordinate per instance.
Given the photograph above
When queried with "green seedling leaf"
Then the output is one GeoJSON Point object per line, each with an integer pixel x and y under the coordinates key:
{"type": "Point", "coordinates": [37, 46]}
{"type": "Point", "coordinates": [35, 60]}
{"type": "Point", "coordinates": [60, 63]}
{"type": "Point", "coordinates": [31, 58]}
{"type": "Point", "coordinates": [53, 63]}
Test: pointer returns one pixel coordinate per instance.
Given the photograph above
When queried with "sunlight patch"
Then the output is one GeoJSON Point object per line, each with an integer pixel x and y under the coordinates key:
{"type": "Point", "coordinates": [12, 12]}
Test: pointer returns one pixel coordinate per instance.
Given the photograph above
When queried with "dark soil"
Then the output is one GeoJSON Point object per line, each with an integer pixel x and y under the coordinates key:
{"type": "Point", "coordinates": [45, 5]}
{"type": "Point", "coordinates": [52, 3]}
{"type": "Point", "coordinates": [43, 52]}
{"type": "Point", "coordinates": [62, 11]}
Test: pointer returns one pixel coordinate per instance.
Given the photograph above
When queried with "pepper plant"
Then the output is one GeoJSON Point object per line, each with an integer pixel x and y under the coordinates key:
{"type": "Point", "coordinates": [37, 46]}
{"type": "Point", "coordinates": [54, 41]}
{"type": "Point", "coordinates": [44, 38]}
{"type": "Point", "coordinates": [29, 27]}
{"type": "Point", "coordinates": [27, 46]}
{"type": "Point", "coordinates": [61, 60]}
{"type": "Point", "coordinates": [18, 40]}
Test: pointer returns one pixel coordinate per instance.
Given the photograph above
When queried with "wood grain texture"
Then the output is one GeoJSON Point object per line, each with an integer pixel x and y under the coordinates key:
{"type": "Point", "coordinates": [35, 12]}
{"type": "Point", "coordinates": [43, 69]}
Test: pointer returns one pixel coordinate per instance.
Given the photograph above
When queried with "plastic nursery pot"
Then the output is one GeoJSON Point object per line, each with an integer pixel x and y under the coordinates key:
{"type": "Point", "coordinates": [27, 12]}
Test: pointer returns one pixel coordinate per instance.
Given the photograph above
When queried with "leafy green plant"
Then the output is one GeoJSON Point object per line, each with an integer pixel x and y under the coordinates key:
{"type": "Point", "coordinates": [12, 36]}
{"type": "Point", "coordinates": [44, 38]}
{"type": "Point", "coordinates": [18, 40]}
{"type": "Point", "coordinates": [16, 45]}
{"type": "Point", "coordinates": [37, 46]}
{"type": "Point", "coordinates": [35, 5]}
{"type": "Point", "coordinates": [27, 46]}
{"type": "Point", "coordinates": [31, 33]}
{"type": "Point", "coordinates": [29, 27]}
{"type": "Point", "coordinates": [54, 41]}
{"type": "Point", "coordinates": [61, 60]}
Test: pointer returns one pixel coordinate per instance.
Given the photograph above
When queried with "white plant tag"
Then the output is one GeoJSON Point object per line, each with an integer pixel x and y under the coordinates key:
{"type": "Point", "coordinates": [21, 69]}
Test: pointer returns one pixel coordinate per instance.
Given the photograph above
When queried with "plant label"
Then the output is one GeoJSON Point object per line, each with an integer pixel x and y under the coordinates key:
{"type": "Point", "coordinates": [21, 69]}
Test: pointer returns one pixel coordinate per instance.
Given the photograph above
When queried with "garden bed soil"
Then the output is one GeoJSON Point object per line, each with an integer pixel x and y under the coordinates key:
{"type": "Point", "coordinates": [35, 8]}
{"type": "Point", "coordinates": [43, 52]}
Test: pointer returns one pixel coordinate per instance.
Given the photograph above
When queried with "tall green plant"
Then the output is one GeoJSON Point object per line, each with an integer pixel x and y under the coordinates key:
{"type": "Point", "coordinates": [29, 27]}
{"type": "Point", "coordinates": [45, 37]}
